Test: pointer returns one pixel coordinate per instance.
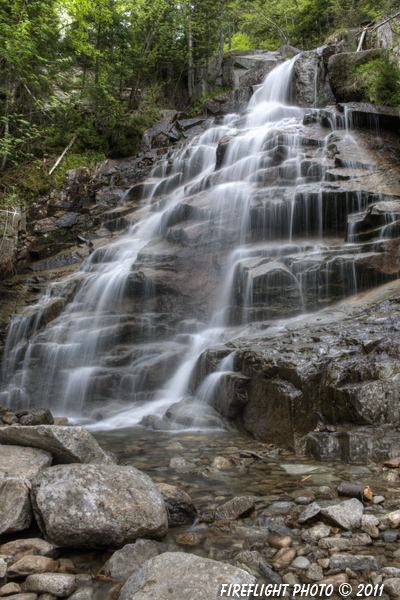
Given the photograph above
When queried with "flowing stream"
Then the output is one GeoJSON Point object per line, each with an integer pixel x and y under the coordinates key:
{"type": "Point", "coordinates": [252, 214]}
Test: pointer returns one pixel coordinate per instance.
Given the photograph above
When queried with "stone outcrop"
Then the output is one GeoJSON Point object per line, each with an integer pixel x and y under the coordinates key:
{"type": "Point", "coordinates": [66, 444]}
{"type": "Point", "coordinates": [97, 506]}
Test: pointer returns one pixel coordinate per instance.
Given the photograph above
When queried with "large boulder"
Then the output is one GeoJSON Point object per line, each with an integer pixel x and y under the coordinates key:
{"type": "Point", "coordinates": [341, 68]}
{"type": "Point", "coordinates": [310, 83]}
{"type": "Point", "coordinates": [96, 506]}
{"type": "Point", "coordinates": [18, 466]}
{"type": "Point", "coordinates": [66, 444]}
{"type": "Point", "coordinates": [183, 576]}
{"type": "Point", "coordinates": [250, 69]}
{"type": "Point", "coordinates": [180, 508]}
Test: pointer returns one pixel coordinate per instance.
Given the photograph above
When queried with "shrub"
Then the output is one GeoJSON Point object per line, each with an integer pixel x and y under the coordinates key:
{"type": "Point", "coordinates": [379, 81]}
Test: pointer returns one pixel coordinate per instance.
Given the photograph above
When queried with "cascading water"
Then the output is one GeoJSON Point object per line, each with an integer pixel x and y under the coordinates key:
{"type": "Point", "coordinates": [252, 218]}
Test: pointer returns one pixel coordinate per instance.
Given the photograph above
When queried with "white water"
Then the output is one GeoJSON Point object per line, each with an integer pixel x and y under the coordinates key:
{"type": "Point", "coordinates": [74, 365]}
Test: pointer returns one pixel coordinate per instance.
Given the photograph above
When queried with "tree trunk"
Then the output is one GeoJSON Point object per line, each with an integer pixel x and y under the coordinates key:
{"type": "Point", "coordinates": [190, 58]}
{"type": "Point", "coordinates": [9, 103]}
{"type": "Point", "coordinates": [230, 38]}
{"type": "Point", "coordinates": [221, 42]}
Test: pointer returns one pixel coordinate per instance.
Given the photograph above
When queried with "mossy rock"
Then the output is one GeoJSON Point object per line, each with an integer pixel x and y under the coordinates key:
{"type": "Point", "coordinates": [341, 68]}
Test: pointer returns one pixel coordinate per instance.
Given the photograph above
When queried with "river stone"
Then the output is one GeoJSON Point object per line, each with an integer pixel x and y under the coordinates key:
{"type": "Point", "coordinates": [346, 515]}
{"type": "Point", "coordinates": [316, 533]}
{"type": "Point", "coordinates": [269, 575]}
{"type": "Point", "coordinates": [180, 508]}
{"type": "Point", "coordinates": [31, 545]}
{"type": "Point", "coordinates": [389, 536]}
{"type": "Point", "coordinates": [10, 588]}
{"type": "Point", "coordinates": [281, 541]}
{"type": "Point", "coordinates": [58, 584]}
{"type": "Point", "coordinates": [391, 519]}
{"type": "Point", "coordinates": [391, 571]}
{"type": "Point", "coordinates": [236, 508]}
{"type": "Point", "coordinates": [315, 573]}
{"type": "Point", "coordinates": [300, 562]}
{"type": "Point", "coordinates": [311, 512]}
{"type": "Point", "coordinates": [283, 558]}
{"type": "Point", "coordinates": [334, 542]}
{"type": "Point", "coordinates": [66, 444]}
{"type": "Point", "coordinates": [353, 562]}
{"type": "Point", "coordinates": [27, 565]}
{"type": "Point", "coordinates": [183, 576]}
{"type": "Point", "coordinates": [392, 586]}
{"type": "Point", "coordinates": [131, 557]}
{"type": "Point", "coordinates": [96, 506]}
{"type": "Point", "coordinates": [335, 580]}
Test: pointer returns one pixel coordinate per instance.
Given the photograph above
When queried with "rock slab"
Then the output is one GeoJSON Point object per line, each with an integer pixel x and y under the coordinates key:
{"type": "Point", "coordinates": [66, 444]}
{"type": "Point", "coordinates": [95, 506]}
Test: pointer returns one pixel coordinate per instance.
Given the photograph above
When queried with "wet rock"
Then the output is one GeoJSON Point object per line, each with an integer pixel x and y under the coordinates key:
{"type": "Point", "coordinates": [188, 539]}
{"type": "Point", "coordinates": [180, 508]}
{"type": "Point", "coordinates": [130, 558]}
{"type": "Point", "coordinates": [35, 416]}
{"type": "Point", "coordinates": [311, 512]}
{"type": "Point", "coordinates": [221, 464]}
{"type": "Point", "coordinates": [353, 562]}
{"type": "Point", "coordinates": [231, 102]}
{"type": "Point", "coordinates": [125, 504]}
{"type": "Point", "coordinates": [391, 571]}
{"type": "Point", "coordinates": [279, 542]}
{"type": "Point", "coordinates": [389, 536]}
{"type": "Point", "coordinates": [303, 500]}
{"type": "Point", "coordinates": [222, 147]}
{"type": "Point", "coordinates": [28, 565]}
{"type": "Point", "coordinates": [269, 575]}
{"type": "Point", "coordinates": [177, 463]}
{"type": "Point", "coordinates": [176, 446]}
{"type": "Point", "coordinates": [31, 545]}
{"type": "Point", "coordinates": [182, 575]}
{"type": "Point", "coordinates": [3, 568]}
{"type": "Point", "coordinates": [236, 508]}
{"type": "Point", "coordinates": [58, 584]}
{"type": "Point", "coordinates": [18, 462]}
{"type": "Point", "coordinates": [15, 505]}
{"type": "Point", "coordinates": [346, 515]}
{"type": "Point", "coordinates": [66, 444]}
{"type": "Point", "coordinates": [378, 499]}
{"type": "Point", "coordinates": [284, 558]}
{"type": "Point", "coordinates": [250, 558]}
{"type": "Point", "coordinates": [392, 586]}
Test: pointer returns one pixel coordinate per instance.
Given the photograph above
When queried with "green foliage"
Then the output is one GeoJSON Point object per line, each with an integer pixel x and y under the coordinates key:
{"type": "Point", "coordinates": [379, 80]}
{"type": "Point", "coordinates": [196, 105]}
{"type": "Point", "coordinates": [239, 41]}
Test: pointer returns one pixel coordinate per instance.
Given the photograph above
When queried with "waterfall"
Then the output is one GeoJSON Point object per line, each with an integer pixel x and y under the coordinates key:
{"type": "Point", "coordinates": [256, 226]}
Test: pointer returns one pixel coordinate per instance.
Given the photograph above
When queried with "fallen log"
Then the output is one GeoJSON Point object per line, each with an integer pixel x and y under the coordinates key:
{"type": "Point", "coordinates": [355, 490]}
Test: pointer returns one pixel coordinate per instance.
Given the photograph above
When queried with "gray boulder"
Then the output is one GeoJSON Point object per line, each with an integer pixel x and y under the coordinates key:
{"type": "Point", "coordinates": [183, 576]}
{"type": "Point", "coordinates": [131, 557]}
{"type": "Point", "coordinates": [238, 507]}
{"type": "Point", "coordinates": [18, 466]}
{"type": "Point", "coordinates": [346, 515]}
{"type": "Point", "coordinates": [57, 584]}
{"type": "Point", "coordinates": [66, 444]}
{"type": "Point", "coordinates": [93, 506]}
